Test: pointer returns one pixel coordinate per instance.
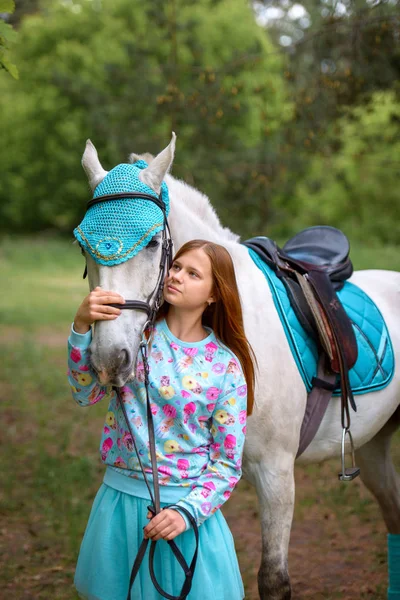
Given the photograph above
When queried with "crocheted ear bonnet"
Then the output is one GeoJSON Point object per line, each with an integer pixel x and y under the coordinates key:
{"type": "Point", "coordinates": [115, 230]}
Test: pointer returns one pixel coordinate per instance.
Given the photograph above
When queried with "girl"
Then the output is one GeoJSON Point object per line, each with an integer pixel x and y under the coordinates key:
{"type": "Point", "coordinates": [201, 387]}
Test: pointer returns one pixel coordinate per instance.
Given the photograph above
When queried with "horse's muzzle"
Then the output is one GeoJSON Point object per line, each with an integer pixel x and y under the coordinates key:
{"type": "Point", "coordinates": [119, 368]}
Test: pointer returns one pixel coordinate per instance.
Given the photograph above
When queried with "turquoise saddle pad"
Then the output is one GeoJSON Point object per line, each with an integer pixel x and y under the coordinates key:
{"type": "Point", "coordinates": [375, 363]}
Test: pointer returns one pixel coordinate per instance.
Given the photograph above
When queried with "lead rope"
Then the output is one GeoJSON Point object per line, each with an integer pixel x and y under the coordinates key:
{"type": "Point", "coordinates": [155, 507]}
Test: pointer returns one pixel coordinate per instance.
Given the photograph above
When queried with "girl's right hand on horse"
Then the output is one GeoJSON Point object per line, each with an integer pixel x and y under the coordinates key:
{"type": "Point", "coordinates": [93, 308]}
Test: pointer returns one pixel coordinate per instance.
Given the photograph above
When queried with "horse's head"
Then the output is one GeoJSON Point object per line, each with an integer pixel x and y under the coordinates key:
{"type": "Point", "coordinates": [121, 240]}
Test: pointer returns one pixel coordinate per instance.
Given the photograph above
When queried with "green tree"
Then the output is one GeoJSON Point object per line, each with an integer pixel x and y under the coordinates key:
{"type": "Point", "coordinates": [338, 54]}
{"type": "Point", "coordinates": [125, 74]}
{"type": "Point", "coordinates": [354, 183]}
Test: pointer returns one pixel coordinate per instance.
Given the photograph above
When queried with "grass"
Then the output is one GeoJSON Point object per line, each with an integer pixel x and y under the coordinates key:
{"type": "Point", "coordinates": [49, 466]}
{"type": "Point", "coordinates": [43, 282]}
{"type": "Point", "coordinates": [49, 471]}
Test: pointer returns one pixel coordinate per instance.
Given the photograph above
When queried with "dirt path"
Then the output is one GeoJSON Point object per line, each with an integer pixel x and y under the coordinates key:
{"type": "Point", "coordinates": [326, 560]}
{"type": "Point", "coordinates": [337, 547]}
{"type": "Point", "coordinates": [329, 557]}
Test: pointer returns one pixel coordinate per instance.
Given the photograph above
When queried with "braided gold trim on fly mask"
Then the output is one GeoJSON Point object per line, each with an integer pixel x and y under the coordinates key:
{"type": "Point", "coordinates": [94, 251]}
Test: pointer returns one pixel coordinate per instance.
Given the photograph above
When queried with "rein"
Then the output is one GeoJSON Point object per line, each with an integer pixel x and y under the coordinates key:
{"type": "Point", "coordinates": [151, 308]}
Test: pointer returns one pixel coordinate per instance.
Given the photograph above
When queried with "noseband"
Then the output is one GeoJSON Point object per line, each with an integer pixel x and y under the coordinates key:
{"type": "Point", "coordinates": [150, 307]}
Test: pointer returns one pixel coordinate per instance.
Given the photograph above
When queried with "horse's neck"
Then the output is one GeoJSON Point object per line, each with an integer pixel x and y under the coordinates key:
{"type": "Point", "coordinates": [193, 217]}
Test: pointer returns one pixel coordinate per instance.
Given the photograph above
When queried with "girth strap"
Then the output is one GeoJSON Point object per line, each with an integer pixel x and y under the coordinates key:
{"type": "Point", "coordinates": [317, 403]}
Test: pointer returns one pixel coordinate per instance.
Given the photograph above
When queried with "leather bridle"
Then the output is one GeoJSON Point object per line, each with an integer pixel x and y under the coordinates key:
{"type": "Point", "coordinates": [151, 308]}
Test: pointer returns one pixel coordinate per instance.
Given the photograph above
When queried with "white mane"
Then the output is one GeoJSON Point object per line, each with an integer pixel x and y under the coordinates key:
{"type": "Point", "coordinates": [186, 199]}
{"type": "Point", "coordinates": [198, 208]}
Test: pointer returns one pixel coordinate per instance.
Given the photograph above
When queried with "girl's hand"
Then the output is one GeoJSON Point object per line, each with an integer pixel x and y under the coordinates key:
{"type": "Point", "coordinates": [166, 525]}
{"type": "Point", "coordinates": [93, 309]}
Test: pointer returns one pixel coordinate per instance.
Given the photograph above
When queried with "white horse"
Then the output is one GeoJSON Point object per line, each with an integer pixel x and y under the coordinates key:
{"type": "Point", "coordinates": [273, 429]}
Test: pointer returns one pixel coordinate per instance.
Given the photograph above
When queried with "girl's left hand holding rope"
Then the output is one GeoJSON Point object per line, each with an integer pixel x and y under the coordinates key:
{"type": "Point", "coordinates": [166, 525]}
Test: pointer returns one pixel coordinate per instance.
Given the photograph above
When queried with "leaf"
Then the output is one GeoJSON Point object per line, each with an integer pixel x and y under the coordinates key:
{"type": "Point", "coordinates": [8, 66]}
{"type": "Point", "coordinates": [7, 32]}
{"type": "Point", "coordinates": [7, 6]}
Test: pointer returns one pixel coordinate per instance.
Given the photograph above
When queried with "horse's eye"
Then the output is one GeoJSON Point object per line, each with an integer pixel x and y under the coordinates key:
{"type": "Point", "coordinates": [152, 243]}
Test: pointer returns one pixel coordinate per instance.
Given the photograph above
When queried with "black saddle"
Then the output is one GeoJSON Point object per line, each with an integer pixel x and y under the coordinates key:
{"type": "Point", "coordinates": [320, 246]}
{"type": "Point", "coordinates": [313, 266]}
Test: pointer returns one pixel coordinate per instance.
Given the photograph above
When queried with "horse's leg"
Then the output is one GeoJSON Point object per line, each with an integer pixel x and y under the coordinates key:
{"type": "Point", "coordinates": [275, 491]}
{"type": "Point", "coordinates": [379, 475]}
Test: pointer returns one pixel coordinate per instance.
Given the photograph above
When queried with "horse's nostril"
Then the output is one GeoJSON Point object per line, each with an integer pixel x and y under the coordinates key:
{"type": "Point", "coordinates": [124, 359]}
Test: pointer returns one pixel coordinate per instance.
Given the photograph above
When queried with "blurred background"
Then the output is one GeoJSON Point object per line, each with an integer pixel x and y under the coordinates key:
{"type": "Point", "coordinates": [287, 115]}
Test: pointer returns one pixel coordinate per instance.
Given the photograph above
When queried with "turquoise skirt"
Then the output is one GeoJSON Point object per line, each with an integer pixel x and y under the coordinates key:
{"type": "Point", "coordinates": [112, 538]}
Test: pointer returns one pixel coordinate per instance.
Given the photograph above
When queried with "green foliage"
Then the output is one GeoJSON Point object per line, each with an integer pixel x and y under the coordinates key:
{"type": "Point", "coordinates": [339, 55]}
{"type": "Point", "coordinates": [354, 182]}
{"type": "Point", "coordinates": [269, 138]}
{"type": "Point", "coordinates": [126, 75]}
{"type": "Point", "coordinates": [7, 38]}
{"type": "Point", "coordinates": [7, 6]}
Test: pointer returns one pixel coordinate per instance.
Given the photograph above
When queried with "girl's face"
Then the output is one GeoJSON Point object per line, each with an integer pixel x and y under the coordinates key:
{"type": "Point", "coordinates": [189, 283]}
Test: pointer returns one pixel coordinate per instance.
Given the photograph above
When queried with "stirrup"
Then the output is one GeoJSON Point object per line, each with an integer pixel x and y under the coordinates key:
{"type": "Point", "coordinates": [348, 473]}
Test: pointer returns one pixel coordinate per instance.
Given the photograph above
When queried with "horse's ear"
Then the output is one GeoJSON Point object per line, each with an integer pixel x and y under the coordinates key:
{"type": "Point", "coordinates": [154, 174]}
{"type": "Point", "coordinates": [92, 166]}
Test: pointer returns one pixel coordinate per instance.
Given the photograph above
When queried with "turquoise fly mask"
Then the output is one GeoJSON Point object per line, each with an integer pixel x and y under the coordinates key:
{"type": "Point", "coordinates": [121, 219]}
{"type": "Point", "coordinates": [113, 232]}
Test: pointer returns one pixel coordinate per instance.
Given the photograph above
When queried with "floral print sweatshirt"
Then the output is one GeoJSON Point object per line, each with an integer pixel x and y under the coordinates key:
{"type": "Point", "coordinates": [198, 400]}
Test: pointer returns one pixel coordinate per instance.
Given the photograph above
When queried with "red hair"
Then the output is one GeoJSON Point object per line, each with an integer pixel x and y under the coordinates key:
{"type": "Point", "coordinates": [224, 316]}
